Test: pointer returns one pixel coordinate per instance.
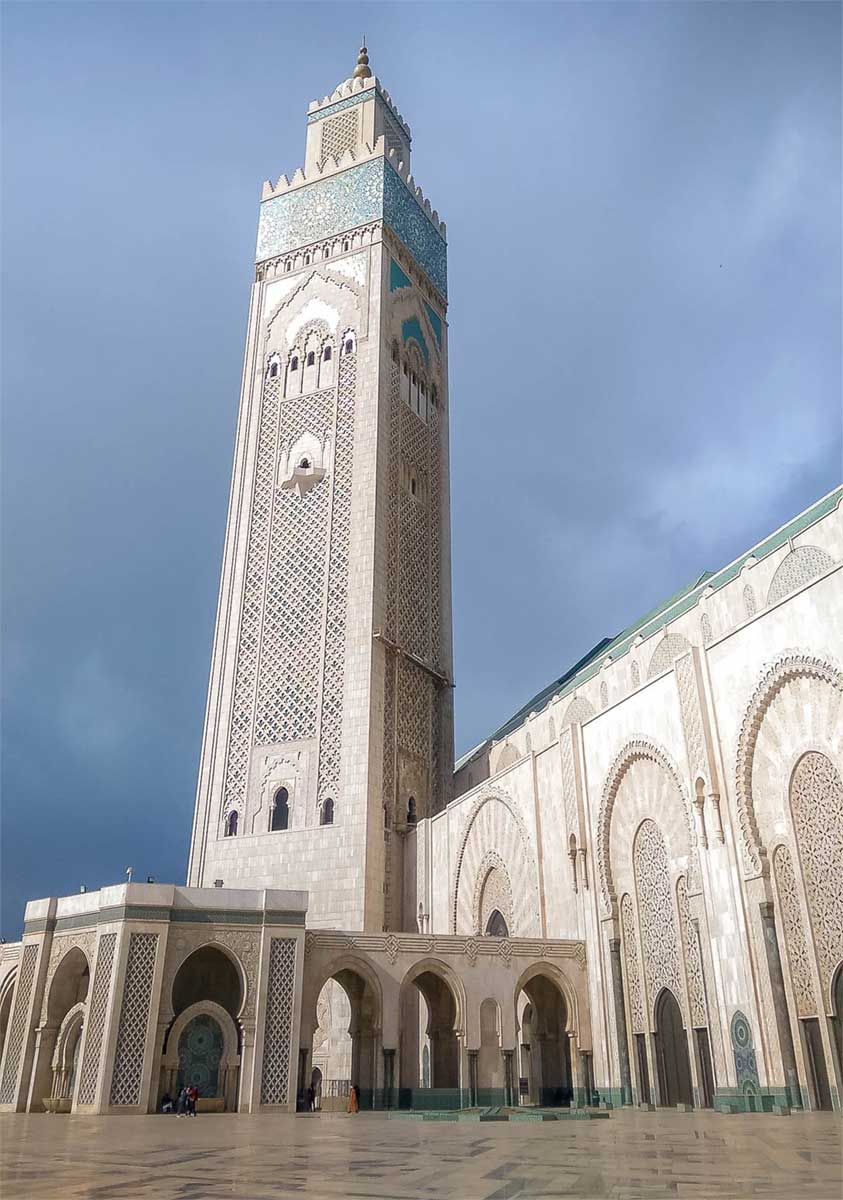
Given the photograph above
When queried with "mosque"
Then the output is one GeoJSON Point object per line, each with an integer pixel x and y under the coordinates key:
{"type": "Point", "coordinates": [629, 893]}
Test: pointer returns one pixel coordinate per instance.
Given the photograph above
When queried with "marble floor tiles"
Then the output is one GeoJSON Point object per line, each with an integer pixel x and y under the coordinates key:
{"type": "Point", "coordinates": [632, 1156]}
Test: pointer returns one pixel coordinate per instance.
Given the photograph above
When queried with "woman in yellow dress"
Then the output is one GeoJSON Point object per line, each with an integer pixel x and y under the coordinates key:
{"type": "Point", "coordinates": [352, 1105]}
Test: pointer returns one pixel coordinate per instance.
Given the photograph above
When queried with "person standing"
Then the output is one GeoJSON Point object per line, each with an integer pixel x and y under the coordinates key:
{"type": "Point", "coordinates": [353, 1105]}
{"type": "Point", "coordinates": [192, 1097]}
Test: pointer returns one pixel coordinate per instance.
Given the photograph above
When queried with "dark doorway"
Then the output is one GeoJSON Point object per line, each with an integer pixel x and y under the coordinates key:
{"type": "Point", "coordinates": [816, 1063]}
{"type": "Point", "coordinates": [672, 1053]}
{"type": "Point", "coordinates": [706, 1075]}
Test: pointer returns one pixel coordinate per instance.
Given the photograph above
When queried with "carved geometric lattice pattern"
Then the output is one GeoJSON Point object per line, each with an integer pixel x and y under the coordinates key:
{"type": "Point", "coordinates": [669, 648]}
{"type": "Point", "coordinates": [633, 976]}
{"type": "Point", "coordinates": [17, 1026]}
{"type": "Point", "coordinates": [291, 638]}
{"type": "Point", "coordinates": [816, 798]}
{"type": "Point", "coordinates": [689, 709]}
{"type": "Point", "coordinates": [750, 607]}
{"type": "Point", "coordinates": [705, 629]}
{"type": "Point", "coordinates": [636, 675]}
{"type": "Point", "coordinates": [414, 560]}
{"type": "Point", "coordinates": [275, 1080]}
{"type": "Point", "coordinates": [693, 964]}
{"type": "Point", "coordinates": [330, 724]}
{"type": "Point", "coordinates": [658, 926]}
{"type": "Point", "coordinates": [95, 1022]}
{"type": "Point", "coordinates": [798, 568]}
{"type": "Point", "coordinates": [798, 954]}
{"type": "Point", "coordinates": [415, 689]}
{"type": "Point", "coordinates": [578, 710]}
{"type": "Point", "coordinates": [339, 133]}
{"type": "Point", "coordinates": [496, 896]}
{"type": "Point", "coordinates": [134, 1019]}
{"type": "Point", "coordinates": [279, 644]}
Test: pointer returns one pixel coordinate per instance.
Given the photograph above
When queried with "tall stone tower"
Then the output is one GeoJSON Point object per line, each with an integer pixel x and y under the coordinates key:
{"type": "Point", "coordinates": [328, 730]}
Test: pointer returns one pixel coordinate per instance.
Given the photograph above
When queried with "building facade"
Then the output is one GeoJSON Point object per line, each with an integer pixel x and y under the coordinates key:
{"type": "Point", "coordinates": [630, 893]}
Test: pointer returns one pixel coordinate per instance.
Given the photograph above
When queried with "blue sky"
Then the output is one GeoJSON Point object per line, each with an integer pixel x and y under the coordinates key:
{"type": "Point", "coordinates": [644, 215]}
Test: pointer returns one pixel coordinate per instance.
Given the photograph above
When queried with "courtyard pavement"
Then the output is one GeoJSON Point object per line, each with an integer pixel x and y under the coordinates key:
{"type": "Point", "coordinates": [632, 1156]}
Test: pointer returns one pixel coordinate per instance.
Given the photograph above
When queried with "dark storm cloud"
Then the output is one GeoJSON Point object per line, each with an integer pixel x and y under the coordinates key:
{"type": "Point", "coordinates": [643, 207]}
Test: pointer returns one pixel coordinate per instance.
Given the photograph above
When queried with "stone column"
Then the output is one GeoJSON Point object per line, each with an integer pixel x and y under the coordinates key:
{"type": "Point", "coordinates": [472, 1077]}
{"type": "Point", "coordinates": [620, 1019]}
{"type": "Point", "coordinates": [510, 1100]}
{"type": "Point", "coordinates": [774, 966]}
{"type": "Point", "coordinates": [388, 1077]}
{"type": "Point", "coordinates": [578, 1099]}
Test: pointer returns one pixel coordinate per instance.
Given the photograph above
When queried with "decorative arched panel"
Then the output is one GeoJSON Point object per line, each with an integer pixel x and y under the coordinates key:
{"type": "Point", "coordinates": [795, 704]}
{"type": "Point", "coordinates": [816, 801]}
{"type": "Point", "coordinates": [659, 939]}
{"type": "Point", "coordinates": [796, 943]}
{"type": "Point", "coordinates": [494, 828]}
{"type": "Point", "coordinates": [668, 649]}
{"type": "Point", "coordinates": [643, 782]}
{"type": "Point", "coordinates": [799, 567]}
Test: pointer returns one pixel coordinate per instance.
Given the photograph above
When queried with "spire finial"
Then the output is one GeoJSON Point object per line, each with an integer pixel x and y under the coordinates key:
{"type": "Point", "coordinates": [362, 70]}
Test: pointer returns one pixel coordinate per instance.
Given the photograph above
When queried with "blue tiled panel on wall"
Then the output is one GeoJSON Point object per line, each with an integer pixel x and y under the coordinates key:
{"type": "Point", "coordinates": [321, 209]}
{"type": "Point", "coordinates": [406, 218]}
{"type": "Point", "coordinates": [372, 191]}
{"type": "Point", "coordinates": [397, 278]}
{"type": "Point", "coordinates": [435, 323]}
{"type": "Point", "coordinates": [412, 329]}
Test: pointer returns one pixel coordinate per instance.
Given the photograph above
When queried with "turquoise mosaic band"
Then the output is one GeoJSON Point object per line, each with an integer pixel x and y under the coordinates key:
{"type": "Point", "coordinates": [370, 191]}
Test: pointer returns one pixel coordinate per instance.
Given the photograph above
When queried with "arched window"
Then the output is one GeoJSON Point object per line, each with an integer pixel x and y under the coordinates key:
{"type": "Point", "coordinates": [304, 465]}
{"type": "Point", "coordinates": [231, 824]}
{"type": "Point", "coordinates": [412, 818]}
{"type": "Point", "coordinates": [349, 346]}
{"type": "Point", "coordinates": [327, 814]}
{"type": "Point", "coordinates": [280, 810]}
{"type": "Point", "coordinates": [273, 369]}
{"type": "Point", "coordinates": [311, 359]}
{"type": "Point", "coordinates": [345, 245]}
{"type": "Point", "coordinates": [496, 925]}
{"type": "Point", "coordinates": [326, 354]}
{"type": "Point", "coordinates": [294, 363]}
{"type": "Point", "coordinates": [307, 260]}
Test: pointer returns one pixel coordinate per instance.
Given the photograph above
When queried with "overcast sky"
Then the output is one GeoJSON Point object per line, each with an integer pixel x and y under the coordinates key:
{"type": "Point", "coordinates": [644, 216]}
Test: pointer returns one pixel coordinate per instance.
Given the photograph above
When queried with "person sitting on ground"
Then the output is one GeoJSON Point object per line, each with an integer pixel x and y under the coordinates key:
{"type": "Point", "coordinates": [167, 1103]}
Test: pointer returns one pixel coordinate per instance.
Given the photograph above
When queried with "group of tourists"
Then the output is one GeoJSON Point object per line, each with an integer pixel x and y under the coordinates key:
{"type": "Point", "coordinates": [185, 1105]}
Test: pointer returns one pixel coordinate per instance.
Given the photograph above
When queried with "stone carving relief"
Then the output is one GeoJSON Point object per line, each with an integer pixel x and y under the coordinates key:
{"type": "Point", "coordinates": [796, 943]}
{"type": "Point", "coordinates": [655, 909]}
{"type": "Point", "coordinates": [816, 800]}
{"type": "Point", "coordinates": [799, 567]}
{"type": "Point", "coordinates": [668, 649]}
{"type": "Point", "coordinates": [494, 825]}
{"type": "Point", "coordinates": [693, 962]}
{"type": "Point", "coordinates": [790, 667]}
{"type": "Point", "coordinates": [639, 749]}
{"type": "Point", "coordinates": [244, 946]}
{"type": "Point", "coordinates": [633, 973]}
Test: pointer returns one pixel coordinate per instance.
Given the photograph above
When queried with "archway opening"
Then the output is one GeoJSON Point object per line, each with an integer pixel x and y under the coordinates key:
{"type": "Point", "coordinates": [58, 1047]}
{"type": "Point", "coordinates": [496, 925]}
{"type": "Point", "coordinates": [672, 1060]}
{"type": "Point", "coordinates": [544, 1045]}
{"type": "Point", "coordinates": [208, 974]}
{"type": "Point", "coordinates": [203, 1047]}
{"type": "Point", "coordinates": [430, 1053]}
{"type": "Point", "coordinates": [344, 1043]}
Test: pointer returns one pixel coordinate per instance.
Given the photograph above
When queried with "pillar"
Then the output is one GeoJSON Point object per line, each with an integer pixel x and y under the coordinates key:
{"type": "Point", "coordinates": [774, 966]}
{"type": "Point", "coordinates": [619, 1004]}
{"type": "Point", "coordinates": [472, 1077]}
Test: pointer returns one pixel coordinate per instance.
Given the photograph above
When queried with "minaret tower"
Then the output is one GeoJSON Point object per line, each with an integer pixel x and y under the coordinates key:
{"type": "Point", "coordinates": [328, 730]}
